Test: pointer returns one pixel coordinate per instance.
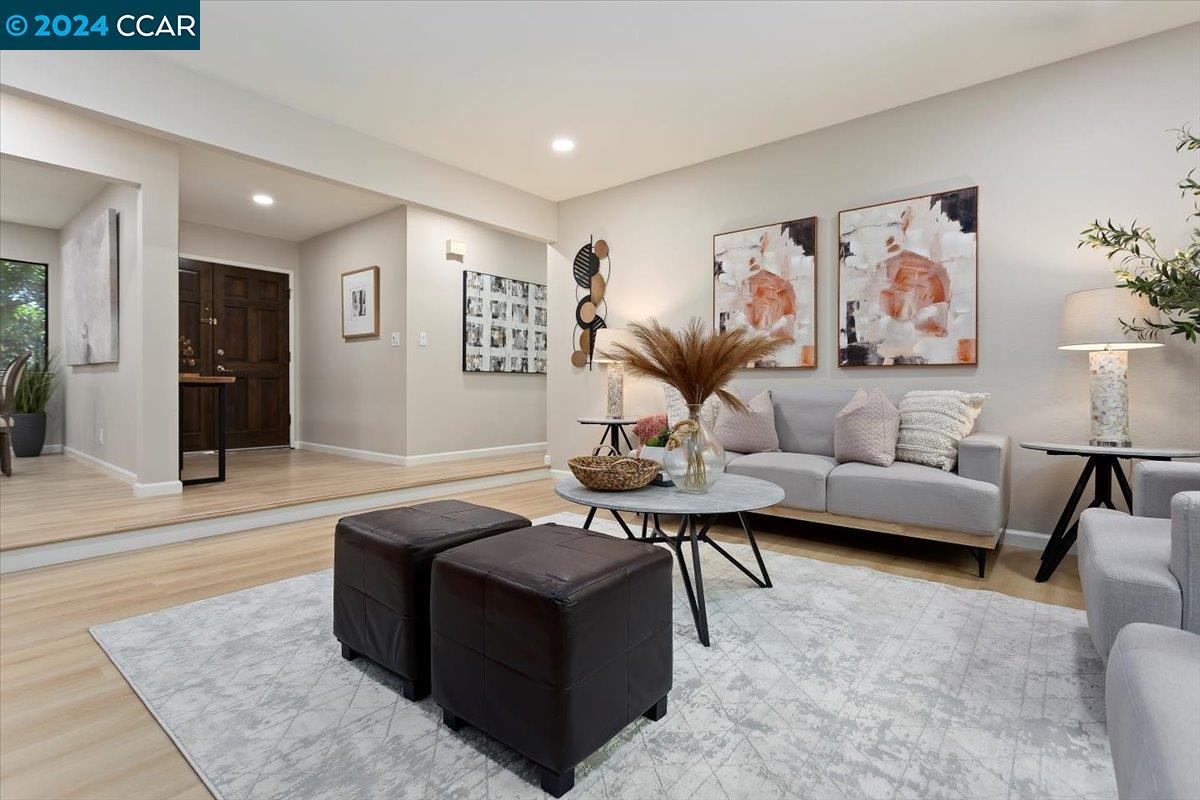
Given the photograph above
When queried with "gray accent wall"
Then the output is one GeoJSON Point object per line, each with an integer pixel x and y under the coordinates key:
{"type": "Point", "coordinates": [1050, 149]}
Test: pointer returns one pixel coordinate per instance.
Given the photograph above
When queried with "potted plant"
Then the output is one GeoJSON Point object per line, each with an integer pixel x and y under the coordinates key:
{"type": "Point", "coordinates": [37, 385]}
{"type": "Point", "coordinates": [698, 362]}
{"type": "Point", "coordinates": [652, 433]}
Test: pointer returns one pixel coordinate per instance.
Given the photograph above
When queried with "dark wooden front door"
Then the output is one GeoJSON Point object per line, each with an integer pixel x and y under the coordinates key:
{"type": "Point", "coordinates": [237, 321]}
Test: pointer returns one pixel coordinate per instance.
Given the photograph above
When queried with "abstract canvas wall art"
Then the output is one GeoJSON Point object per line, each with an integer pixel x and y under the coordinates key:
{"type": "Point", "coordinates": [360, 303]}
{"type": "Point", "coordinates": [505, 324]}
{"type": "Point", "coordinates": [765, 279]}
{"type": "Point", "coordinates": [91, 301]}
{"type": "Point", "coordinates": [907, 288]}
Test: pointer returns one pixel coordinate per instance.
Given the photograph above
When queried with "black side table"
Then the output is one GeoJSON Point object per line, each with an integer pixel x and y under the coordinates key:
{"type": "Point", "coordinates": [220, 382]}
{"type": "Point", "coordinates": [613, 427]}
{"type": "Point", "coordinates": [1104, 463]}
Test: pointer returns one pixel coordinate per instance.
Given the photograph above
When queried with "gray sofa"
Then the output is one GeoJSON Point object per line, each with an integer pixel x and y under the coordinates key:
{"type": "Point", "coordinates": [1152, 708]}
{"type": "Point", "coordinates": [967, 507]}
{"type": "Point", "coordinates": [1144, 567]}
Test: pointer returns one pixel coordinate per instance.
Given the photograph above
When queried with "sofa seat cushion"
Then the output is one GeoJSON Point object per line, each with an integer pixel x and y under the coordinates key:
{"type": "Point", "coordinates": [801, 476]}
{"type": "Point", "coordinates": [1124, 565]}
{"type": "Point", "coordinates": [1152, 702]}
{"type": "Point", "coordinates": [915, 494]}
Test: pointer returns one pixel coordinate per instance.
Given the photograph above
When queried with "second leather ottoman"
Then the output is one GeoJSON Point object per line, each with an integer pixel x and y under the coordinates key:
{"type": "Point", "coordinates": [551, 639]}
{"type": "Point", "coordinates": [381, 564]}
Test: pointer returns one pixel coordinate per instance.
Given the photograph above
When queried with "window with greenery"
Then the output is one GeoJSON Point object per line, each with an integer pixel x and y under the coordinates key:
{"type": "Point", "coordinates": [23, 292]}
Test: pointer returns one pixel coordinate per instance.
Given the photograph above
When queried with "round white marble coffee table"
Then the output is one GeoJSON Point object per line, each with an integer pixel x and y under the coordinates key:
{"type": "Point", "coordinates": [731, 494]}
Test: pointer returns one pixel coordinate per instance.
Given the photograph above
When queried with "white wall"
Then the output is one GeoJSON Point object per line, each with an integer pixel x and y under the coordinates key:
{"type": "Point", "coordinates": [450, 410]}
{"type": "Point", "coordinates": [54, 135]}
{"type": "Point", "coordinates": [1050, 150]}
{"type": "Point", "coordinates": [235, 247]}
{"type": "Point", "coordinates": [99, 396]}
{"type": "Point", "coordinates": [40, 245]}
{"type": "Point", "coordinates": [352, 392]}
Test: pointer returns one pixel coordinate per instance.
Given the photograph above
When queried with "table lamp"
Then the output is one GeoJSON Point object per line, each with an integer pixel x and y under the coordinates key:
{"type": "Point", "coordinates": [605, 339]}
{"type": "Point", "coordinates": [1091, 320]}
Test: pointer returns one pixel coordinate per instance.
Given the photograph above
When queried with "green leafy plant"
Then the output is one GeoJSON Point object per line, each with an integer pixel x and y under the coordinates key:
{"type": "Point", "coordinates": [37, 385]}
{"type": "Point", "coordinates": [1169, 284]}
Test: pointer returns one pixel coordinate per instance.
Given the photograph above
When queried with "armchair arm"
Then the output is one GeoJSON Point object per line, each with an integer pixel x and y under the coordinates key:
{"type": "Point", "coordinates": [1185, 554]}
{"type": "Point", "coordinates": [984, 457]}
{"type": "Point", "coordinates": [1156, 482]}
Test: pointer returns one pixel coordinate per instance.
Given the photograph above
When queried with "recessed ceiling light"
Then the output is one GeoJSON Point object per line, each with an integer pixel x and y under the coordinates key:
{"type": "Point", "coordinates": [264, 199]}
{"type": "Point", "coordinates": [563, 145]}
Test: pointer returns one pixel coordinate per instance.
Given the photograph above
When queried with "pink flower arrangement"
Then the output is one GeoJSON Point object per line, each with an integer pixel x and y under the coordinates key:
{"type": "Point", "coordinates": [649, 430]}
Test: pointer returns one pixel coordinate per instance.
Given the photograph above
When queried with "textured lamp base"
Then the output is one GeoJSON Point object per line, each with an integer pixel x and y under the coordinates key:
{"type": "Point", "coordinates": [616, 391]}
{"type": "Point", "coordinates": [1110, 398]}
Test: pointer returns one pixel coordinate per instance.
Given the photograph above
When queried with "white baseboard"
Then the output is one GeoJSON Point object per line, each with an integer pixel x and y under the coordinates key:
{"type": "Point", "coordinates": [51, 449]}
{"type": "Point", "coordinates": [109, 544]}
{"type": "Point", "coordinates": [88, 458]}
{"type": "Point", "coordinates": [427, 458]}
{"type": "Point", "coordinates": [157, 489]}
{"type": "Point", "coordinates": [349, 452]}
{"type": "Point", "coordinates": [561, 473]}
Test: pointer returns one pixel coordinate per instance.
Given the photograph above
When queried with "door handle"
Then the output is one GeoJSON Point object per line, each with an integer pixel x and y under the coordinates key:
{"type": "Point", "coordinates": [220, 368]}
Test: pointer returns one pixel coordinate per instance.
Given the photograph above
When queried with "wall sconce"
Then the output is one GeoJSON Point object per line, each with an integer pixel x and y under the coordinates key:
{"type": "Point", "coordinates": [455, 251]}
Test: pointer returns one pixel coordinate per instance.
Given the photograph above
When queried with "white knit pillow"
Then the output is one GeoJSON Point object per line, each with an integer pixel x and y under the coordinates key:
{"type": "Point", "coordinates": [677, 409]}
{"type": "Point", "coordinates": [750, 431]}
{"type": "Point", "coordinates": [866, 430]}
{"type": "Point", "coordinates": [932, 423]}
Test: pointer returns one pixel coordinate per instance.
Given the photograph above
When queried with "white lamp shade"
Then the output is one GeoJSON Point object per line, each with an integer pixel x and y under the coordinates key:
{"type": "Point", "coordinates": [1091, 320]}
{"type": "Point", "coordinates": [605, 339]}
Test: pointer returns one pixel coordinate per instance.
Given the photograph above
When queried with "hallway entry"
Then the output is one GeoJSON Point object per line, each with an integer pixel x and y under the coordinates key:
{"type": "Point", "coordinates": [235, 320]}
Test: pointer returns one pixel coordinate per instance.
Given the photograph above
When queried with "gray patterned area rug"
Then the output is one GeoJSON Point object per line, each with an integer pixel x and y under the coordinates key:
{"type": "Point", "coordinates": [840, 682]}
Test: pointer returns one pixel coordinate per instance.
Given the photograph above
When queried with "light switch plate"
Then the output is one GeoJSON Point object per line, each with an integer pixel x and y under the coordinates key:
{"type": "Point", "coordinates": [423, 338]}
{"type": "Point", "coordinates": [395, 338]}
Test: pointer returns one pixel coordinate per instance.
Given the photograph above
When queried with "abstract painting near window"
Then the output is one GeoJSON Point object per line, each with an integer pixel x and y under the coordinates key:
{"type": "Point", "coordinates": [907, 281]}
{"type": "Point", "coordinates": [360, 303]}
{"type": "Point", "coordinates": [505, 324]}
{"type": "Point", "coordinates": [764, 279]}
{"type": "Point", "coordinates": [90, 299]}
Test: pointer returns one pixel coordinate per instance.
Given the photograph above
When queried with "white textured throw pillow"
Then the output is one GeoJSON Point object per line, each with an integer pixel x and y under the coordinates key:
{"type": "Point", "coordinates": [932, 423]}
{"type": "Point", "coordinates": [750, 431]}
{"type": "Point", "coordinates": [677, 409]}
{"type": "Point", "coordinates": [866, 429]}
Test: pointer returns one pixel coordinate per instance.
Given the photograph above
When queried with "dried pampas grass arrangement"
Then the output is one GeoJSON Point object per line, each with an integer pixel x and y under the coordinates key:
{"type": "Point", "coordinates": [696, 361]}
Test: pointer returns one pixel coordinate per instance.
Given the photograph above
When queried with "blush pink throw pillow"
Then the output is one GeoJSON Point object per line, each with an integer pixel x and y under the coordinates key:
{"type": "Point", "coordinates": [866, 429]}
{"type": "Point", "coordinates": [749, 432]}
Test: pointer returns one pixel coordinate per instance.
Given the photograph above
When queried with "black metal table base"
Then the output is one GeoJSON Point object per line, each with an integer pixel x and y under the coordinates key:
{"type": "Point", "coordinates": [1104, 467]}
{"type": "Point", "coordinates": [221, 425]}
{"type": "Point", "coordinates": [693, 529]}
{"type": "Point", "coordinates": [610, 439]}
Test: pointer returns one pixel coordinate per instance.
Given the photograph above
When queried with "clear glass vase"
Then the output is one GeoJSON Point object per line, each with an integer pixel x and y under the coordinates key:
{"type": "Point", "coordinates": [698, 459]}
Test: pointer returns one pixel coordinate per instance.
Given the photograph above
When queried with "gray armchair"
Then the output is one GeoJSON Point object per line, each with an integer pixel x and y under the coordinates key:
{"type": "Point", "coordinates": [1144, 567]}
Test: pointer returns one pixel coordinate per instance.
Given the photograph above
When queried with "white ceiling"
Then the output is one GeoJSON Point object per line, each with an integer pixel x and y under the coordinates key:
{"type": "Point", "coordinates": [215, 189]}
{"type": "Point", "coordinates": [48, 197]}
{"type": "Point", "coordinates": [642, 87]}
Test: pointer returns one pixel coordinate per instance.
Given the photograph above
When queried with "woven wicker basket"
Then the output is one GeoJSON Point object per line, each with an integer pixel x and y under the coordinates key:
{"type": "Point", "coordinates": [613, 473]}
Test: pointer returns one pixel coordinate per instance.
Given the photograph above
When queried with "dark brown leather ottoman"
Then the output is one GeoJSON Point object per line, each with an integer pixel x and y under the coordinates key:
{"type": "Point", "coordinates": [381, 563]}
{"type": "Point", "coordinates": [551, 639]}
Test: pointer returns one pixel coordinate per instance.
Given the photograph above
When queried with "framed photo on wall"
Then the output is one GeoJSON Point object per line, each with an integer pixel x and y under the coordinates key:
{"type": "Point", "coordinates": [505, 324]}
{"type": "Point", "coordinates": [908, 282]}
{"type": "Point", "coordinates": [765, 280]}
{"type": "Point", "coordinates": [360, 303]}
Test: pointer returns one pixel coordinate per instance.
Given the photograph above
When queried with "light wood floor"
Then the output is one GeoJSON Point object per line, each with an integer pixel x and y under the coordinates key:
{"type": "Point", "coordinates": [57, 498]}
{"type": "Point", "coordinates": [71, 727]}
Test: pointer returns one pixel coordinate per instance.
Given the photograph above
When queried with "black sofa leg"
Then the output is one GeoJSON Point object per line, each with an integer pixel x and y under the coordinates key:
{"type": "Point", "coordinates": [980, 558]}
{"type": "Point", "coordinates": [348, 653]}
{"type": "Point", "coordinates": [556, 784]}
{"type": "Point", "coordinates": [452, 721]}
{"type": "Point", "coordinates": [657, 711]}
